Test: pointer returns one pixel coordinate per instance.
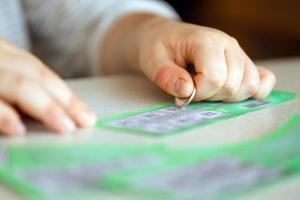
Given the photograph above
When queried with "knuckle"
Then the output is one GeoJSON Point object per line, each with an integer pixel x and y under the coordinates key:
{"type": "Point", "coordinates": [216, 79]}
{"type": "Point", "coordinates": [231, 89]}
{"type": "Point", "coordinates": [208, 39]}
{"type": "Point", "coordinates": [24, 85]}
{"type": "Point", "coordinates": [234, 41]}
{"type": "Point", "coordinates": [252, 87]}
{"type": "Point", "coordinates": [200, 36]}
{"type": "Point", "coordinates": [195, 38]}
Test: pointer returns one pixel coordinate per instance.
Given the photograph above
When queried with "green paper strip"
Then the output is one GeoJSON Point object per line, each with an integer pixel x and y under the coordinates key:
{"type": "Point", "coordinates": [220, 173]}
{"type": "Point", "coordinates": [165, 119]}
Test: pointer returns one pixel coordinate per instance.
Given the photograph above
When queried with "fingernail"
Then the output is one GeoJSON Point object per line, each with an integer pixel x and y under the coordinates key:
{"type": "Point", "coordinates": [88, 118]}
{"type": "Point", "coordinates": [183, 88]}
{"type": "Point", "coordinates": [68, 125]}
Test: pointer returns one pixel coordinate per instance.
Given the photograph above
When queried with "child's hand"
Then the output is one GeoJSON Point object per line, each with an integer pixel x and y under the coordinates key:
{"type": "Point", "coordinates": [163, 48]}
{"type": "Point", "coordinates": [28, 84]}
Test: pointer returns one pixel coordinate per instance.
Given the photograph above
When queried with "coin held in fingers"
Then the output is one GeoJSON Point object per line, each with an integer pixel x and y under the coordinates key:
{"type": "Point", "coordinates": [183, 102]}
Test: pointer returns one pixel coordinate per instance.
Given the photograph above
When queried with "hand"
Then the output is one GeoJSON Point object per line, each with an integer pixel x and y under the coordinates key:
{"type": "Point", "coordinates": [163, 48]}
{"type": "Point", "coordinates": [223, 71]}
{"type": "Point", "coordinates": [33, 88]}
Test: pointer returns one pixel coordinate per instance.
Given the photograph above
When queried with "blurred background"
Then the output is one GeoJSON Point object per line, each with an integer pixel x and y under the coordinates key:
{"type": "Point", "coordinates": [265, 29]}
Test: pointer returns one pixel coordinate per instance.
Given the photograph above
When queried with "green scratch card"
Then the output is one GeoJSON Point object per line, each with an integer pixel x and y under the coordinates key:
{"type": "Point", "coordinates": [51, 171]}
{"type": "Point", "coordinates": [221, 173]}
{"type": "Point", "coordinates": [152, 171]}
{"type": "Point", "coordinates": [165, 119]}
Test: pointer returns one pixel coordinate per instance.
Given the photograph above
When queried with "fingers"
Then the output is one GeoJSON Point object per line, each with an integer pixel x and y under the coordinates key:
{"type": "Point", "coordinates": [232, 77]}
{"type": "Point", "coordinates": [29, 84]}
{"type": "Point", "coordinates": [211, 69]}
{"type": "Point", "coordinates": [10, 123]}
{"type": "Point", "coordinates": [54, 86]}
{"type": "Point", "coordinates": [62, 94]}
{"type": "Point", "coordinates": [223, 71]}
{"type": "Point", "coordinates": [244, 79]}
{"type": "Point", "coordinates": [249, 85]}
{"type": "Point", "coordinates": [235, 73]}
{"type": "Point", "coordinates": [32, 99]}
{"type": "Point", "coordinates": [267, 82]}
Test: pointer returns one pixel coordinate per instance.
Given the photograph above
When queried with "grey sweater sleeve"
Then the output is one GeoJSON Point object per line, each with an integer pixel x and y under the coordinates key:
{"type": "Point", "coordinates": [67, 34]}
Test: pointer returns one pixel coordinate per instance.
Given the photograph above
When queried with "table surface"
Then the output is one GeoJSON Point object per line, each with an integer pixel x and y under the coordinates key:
{"type": "Point", "coordinates": [118, 93]}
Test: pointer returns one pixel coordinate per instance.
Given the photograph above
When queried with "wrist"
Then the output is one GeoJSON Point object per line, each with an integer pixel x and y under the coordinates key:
{"type": "Point", "coordinates": [121, 49]}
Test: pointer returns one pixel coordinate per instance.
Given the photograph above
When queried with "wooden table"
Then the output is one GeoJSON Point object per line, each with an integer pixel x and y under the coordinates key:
{"type": "Point", "coordinates": [113, 94]}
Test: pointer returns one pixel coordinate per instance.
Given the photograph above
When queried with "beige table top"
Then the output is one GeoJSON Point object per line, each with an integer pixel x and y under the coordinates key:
{"type": "Point", "coordinates": [114, 94]}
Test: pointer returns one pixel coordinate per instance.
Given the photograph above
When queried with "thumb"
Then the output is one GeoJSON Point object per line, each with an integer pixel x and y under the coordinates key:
{"type": "Point", "coordinates": [174, 79]}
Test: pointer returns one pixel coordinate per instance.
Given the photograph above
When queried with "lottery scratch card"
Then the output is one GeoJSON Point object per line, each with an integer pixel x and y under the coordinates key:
{"type": "Point", "coordinates": [152, 171]}
{"type": "Point", "coordinates": [223, 174]}
{"type": "Point", "coordinates": [164, 119]}
{"type": "Point", "coordinates": [51, 172]}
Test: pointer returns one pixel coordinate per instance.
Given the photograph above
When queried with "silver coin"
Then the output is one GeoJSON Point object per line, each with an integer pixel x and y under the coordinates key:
{"type": "Point", "coordinates": [183, 102]}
